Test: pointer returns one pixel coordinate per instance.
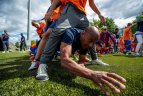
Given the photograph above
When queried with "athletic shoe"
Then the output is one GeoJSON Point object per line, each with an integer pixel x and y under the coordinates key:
{"type": "Point", "coordinates": [137, 54]}
{"type": "Point", "coordinates": [128, 53]}
{"type": "Point", "coordinates": [34, 65]}
{"type": "Point", "coordinates": [99, 62]}
{"type": "Point", "coordinates": [3, 52]}
{"type": "Point", "coordinates": [42, 73]}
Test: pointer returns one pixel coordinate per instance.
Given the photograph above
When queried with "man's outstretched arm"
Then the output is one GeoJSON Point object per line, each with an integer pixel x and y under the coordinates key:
{"type": "Point", "coordinates": [100, 78]}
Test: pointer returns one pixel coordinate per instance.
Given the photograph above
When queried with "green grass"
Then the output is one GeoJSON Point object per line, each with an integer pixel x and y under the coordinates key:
{"type": "Point", "coordinates": [15, 80]}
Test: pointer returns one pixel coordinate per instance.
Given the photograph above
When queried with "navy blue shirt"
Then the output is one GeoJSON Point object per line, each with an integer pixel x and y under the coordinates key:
{"type": "Point", "coordinates": [5, 38]}
{"type": "Point", "coordinates": [71, 36]}
{"type": "Point", "coordinates": [140, 26]}
{"type": "Point", "coordinates": [116, 35]}
{"type": "Point", "coordinates": [23, 39]}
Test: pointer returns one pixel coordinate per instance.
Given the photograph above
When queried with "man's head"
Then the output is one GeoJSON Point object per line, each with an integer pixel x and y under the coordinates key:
{"type": "Point", "coordinates": [35, 24]}
{"type": "Point", "coordinates": [117, 30]}
{"type": "Point", "coordinates": [129, 24]}
{"type": "Point", "coordinates": [89, 37]}
{"type": "Point", "coordinates": [21, 34]}
{"type": "Point", "coordinates": [104, 29]}
{"type": "Point", "coordinates": [5, 31]}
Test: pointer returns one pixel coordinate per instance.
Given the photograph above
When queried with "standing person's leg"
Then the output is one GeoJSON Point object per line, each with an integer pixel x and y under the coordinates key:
{"type": "Point", "coordinates": [140, 42]}
{"type": "Point", "coordinates": [127, 46]}
{"type": "Point", "coordinates": [20, 46]}
{"type": "Point", "coordinates": [4, 47]}
{"type": "Point", "coordinates": [116, 46]}
{"type": "Point", "coordinates": [7, 46]}
{"type": "Point", "coordinates": [93, 53]}
{"type": "Point", "coordinates": [24, 46]}
{"type": "Point", "coordinates": [94, 57]}
{"type": "Point", "coordinates": [41, 45]}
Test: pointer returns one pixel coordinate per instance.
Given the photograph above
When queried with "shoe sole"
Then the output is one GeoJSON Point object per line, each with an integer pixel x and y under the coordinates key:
{"type": "Point", "coordinates": [42, 78]}
{"type": "Point", "coordinates": [32, 69]}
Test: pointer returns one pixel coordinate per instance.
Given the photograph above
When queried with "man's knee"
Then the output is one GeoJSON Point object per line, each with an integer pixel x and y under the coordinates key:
{"type": "Point", "coordinates": [45, 36]}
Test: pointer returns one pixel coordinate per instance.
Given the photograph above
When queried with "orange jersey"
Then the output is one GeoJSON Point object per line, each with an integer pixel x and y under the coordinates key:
{"type": "Point", "coordinates": [127, 34]}
{"type": "Point", "coordinates": [121, 41]}
{"type": "Point", "coordinates": [40, 29]}
{"type": "Point", "coordinates": [57, 13]}
{"type": "Point", "coordinates": [80, 4]}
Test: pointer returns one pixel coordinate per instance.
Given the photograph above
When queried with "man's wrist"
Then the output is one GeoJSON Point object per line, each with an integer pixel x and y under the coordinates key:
{"type": "Point", "coordinates": [92, 75]}
{"type": "Point", "coordinates": [99, 15]}
{"type": "Point", "coordinates": [50, 11]}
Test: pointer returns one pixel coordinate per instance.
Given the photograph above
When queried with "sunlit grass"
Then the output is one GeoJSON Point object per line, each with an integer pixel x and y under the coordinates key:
{"type": "Point", "coordinates": [15, 80]}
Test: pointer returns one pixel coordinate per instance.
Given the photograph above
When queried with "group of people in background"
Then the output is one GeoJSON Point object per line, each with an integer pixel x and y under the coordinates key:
{"type": "Point", "coordinates": [4, 42]}
{"type": "Point", "coordinates": [116, 42]}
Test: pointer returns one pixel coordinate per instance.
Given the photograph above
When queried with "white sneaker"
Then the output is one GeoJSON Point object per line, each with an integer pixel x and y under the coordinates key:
{"type": "Point", "coordinates": [137, 54]}
{"type": "Point", "coordinates": [33, 66]}
{"type": "Point", "coordinates": [3, 52]}
{"type": "Point", "coordinates": [128, 53]}
{"type": "Point", "coordinates": [42, 73]}
{"type": "Point", "coordinates": [99, 62]}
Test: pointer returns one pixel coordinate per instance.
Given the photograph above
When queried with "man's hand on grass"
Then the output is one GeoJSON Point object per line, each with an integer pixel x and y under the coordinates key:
{"type": "Point", "coordinates": [110, 80]}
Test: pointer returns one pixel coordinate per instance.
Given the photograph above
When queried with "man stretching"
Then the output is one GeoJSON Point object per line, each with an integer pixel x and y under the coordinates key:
{"type": "Point", "coordinates": [75, 39]}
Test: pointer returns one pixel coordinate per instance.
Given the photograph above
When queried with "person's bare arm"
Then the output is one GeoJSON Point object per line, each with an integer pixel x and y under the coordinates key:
{"type": "Point", "coordinates": [47, 33]}
{"type": "Point", "coordinates": [132, 25]}
{"type": "Point", "coordinates": [52, 8]}
{"type": "Point", "coordinates": [100, 78]}
{"type": "Point", "coordinates": [129, 28]}
{"type": "Point", "coordinates": [71, 65]}
{"type": "Point", "coordinates": [96, 10]}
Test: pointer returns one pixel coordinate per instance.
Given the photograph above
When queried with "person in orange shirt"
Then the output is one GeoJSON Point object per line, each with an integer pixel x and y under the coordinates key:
{"type": "Point", "coordinates": [39, 27]}
{"type": "Point", "coordinates": [127, 38]}
{"type": "Point", "coordinates": [121, 44]}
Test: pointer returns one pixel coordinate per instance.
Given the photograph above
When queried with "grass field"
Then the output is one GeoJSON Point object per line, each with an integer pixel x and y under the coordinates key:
{"type": "Point", "coordinates": [15, 80]}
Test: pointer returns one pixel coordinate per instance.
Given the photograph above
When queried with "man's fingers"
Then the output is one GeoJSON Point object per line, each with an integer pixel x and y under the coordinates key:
{"type": "Point", "coordinates": [103, 89]}
{"type": "Point", "coordinates": [115, 76]}
{"type": "Point", "coordinates": [111, 86]}
{"type": "Point", "coordinates": [114, 82]}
